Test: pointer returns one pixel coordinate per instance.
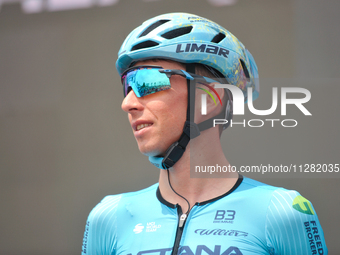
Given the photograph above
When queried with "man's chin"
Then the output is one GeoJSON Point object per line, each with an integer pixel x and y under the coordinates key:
{"type": "Point", "coordinates": [152, 152]}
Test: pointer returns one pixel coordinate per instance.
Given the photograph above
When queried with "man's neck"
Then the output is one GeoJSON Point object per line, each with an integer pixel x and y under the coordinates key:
{"type": "Point", "coordinates": [200, 152]}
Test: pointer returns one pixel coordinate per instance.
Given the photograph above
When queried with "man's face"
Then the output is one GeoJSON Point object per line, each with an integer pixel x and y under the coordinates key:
{"type": "Point", "coordinates": [157, 119]}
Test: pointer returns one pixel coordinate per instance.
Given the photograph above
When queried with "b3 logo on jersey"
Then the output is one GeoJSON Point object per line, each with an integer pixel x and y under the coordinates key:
{"type": "Point", "coordinates": [224, 216]}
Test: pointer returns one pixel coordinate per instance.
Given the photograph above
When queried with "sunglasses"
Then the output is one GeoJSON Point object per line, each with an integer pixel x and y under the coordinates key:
{"type": "Point", "coordinates": [147, 79]}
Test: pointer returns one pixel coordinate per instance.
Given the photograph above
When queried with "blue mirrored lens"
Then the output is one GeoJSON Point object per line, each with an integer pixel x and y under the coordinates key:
{"type": "Point", "coordinates": [145, 82]}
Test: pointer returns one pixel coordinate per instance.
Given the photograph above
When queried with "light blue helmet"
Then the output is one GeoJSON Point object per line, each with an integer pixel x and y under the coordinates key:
{"type": "Point", "coordinates": [189, 38]}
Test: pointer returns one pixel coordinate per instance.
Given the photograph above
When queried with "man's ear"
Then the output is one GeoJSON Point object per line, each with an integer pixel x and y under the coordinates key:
{"type": "Point", "coordinates": [215, 102]}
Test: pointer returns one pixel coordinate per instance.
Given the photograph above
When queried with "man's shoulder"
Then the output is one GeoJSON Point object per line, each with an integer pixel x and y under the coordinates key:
{"type": "Point", "coordinates": [251, 184]}
{"type": "Point", "coordinates": [266, 202]}
{"type": "Point", "coordinates": [112, 203]}
{"type": "Point", "coordinates": [257, 188]}
{"type": "Point", "coordinates": [134, 196]}
{"type": "Point", "coordinates": [113, 206]}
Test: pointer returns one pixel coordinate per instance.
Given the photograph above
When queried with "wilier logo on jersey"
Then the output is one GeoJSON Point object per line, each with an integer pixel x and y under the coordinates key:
{"type": "Point", "coordinates": [220, 232]}
{"type": "Point", "coordinates": [302, 205]}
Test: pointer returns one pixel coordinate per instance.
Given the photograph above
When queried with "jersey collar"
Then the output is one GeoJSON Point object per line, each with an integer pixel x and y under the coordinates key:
{"type": "Point", "coordinates": [236, 185]}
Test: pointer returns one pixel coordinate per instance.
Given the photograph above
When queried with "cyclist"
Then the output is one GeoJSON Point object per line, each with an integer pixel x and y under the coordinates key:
{"type": "Point", "coordinates": [167, 65]}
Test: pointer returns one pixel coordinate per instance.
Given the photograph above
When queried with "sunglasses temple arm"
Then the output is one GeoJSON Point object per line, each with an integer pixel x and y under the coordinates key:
{"type": "Point", "coordinates": [198, 78]}
{"type": "Point", "coordinates": [182, 73]}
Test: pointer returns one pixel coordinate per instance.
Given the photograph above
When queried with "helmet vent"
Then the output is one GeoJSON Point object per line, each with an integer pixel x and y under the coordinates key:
{"type": "Point", "coordinates": [217, 38]}
{"type": "Point", "coordinates": [153, 26]}
{"type": "Point", "coordinates": [177, 32]}
{"type": "Point", "coordinates": [245, 69]}
{"type": "Point", "coordinates": [142, 45]}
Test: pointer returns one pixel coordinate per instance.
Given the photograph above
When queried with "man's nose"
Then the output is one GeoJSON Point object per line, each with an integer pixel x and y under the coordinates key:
{"type": "Point", "coordinates": [131, 103]}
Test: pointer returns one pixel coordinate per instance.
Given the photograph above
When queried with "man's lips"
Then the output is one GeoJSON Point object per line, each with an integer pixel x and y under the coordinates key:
{"type": "Point", "coordinates": [140, 124]}
{"type": "Point", "coordinates": [139, 127]}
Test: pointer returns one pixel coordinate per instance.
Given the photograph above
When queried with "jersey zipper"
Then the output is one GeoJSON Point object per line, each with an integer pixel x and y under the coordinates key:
{"type": "Point", "coordinates": [181, 222]}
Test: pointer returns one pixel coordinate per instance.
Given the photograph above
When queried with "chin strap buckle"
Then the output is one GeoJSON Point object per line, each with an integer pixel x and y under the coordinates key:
{"type": "Point", "coordinates": [176, 150]}
{"type": "Point", "coordinates": [173, 154]}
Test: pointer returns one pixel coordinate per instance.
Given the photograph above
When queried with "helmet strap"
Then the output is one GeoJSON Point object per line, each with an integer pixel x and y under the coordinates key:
{"type": "Point", "coordinates": [190, 130]}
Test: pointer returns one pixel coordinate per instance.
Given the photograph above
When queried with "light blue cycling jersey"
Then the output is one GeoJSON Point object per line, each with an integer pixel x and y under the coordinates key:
{"type": "Point", "coordinates": [252, 218]}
